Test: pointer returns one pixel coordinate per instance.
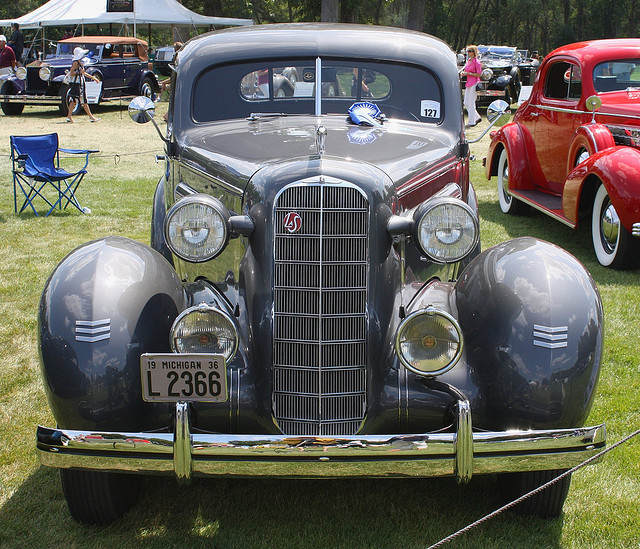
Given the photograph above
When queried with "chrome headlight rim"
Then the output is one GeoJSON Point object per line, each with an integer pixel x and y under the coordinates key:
{"type": "Point", "coordinates": [21, 73]}
{"type": "Point", "coordinates": [430, 311]}
{"type": "Point", "coordinates": [429, 206]}
{"type": "Point", "coordinates": [204, 308]}
{"type": "Point", "coordinates": [198, 200]}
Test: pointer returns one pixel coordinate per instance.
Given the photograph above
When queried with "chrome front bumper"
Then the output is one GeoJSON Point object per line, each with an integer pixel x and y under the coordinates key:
{"type": "Point", "coordinates": [185, 454]}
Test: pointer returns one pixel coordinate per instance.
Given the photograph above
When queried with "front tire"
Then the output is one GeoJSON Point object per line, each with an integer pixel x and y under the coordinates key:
{"type": "Point", "coordinates": [10, 109]}
{"type": "Point", "coordinates": [65, 100]}
{"type": "Point", "coordinates": [146, 89]}
{"type": "Point", "coordinates": [96, 497]}
{"type": "Point", "coordinates": [508, 204]}
{"type": "Point", "coordinates": [614, 246]}
{"type": "Point", "coordinates": [545, 504]}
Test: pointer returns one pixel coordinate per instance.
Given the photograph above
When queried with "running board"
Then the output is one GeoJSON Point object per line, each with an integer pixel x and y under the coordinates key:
{"type": "Point", "coordinates": [545, 203]}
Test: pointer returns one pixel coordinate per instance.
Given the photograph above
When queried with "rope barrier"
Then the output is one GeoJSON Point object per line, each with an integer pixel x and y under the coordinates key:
{"type": "Point", "coordinates": [522, 498]}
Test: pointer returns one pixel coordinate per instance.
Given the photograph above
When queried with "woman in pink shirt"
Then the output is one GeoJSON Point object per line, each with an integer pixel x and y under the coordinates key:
{"type": "Point", "coordinates": [472, 70]}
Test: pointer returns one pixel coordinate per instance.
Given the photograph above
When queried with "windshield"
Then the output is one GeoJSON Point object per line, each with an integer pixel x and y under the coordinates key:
{"type": "Point", "coordinates": [235, 91]}
{"type": "Point", "coordinates": [496, 53]}
{"type": "Point", "coordinates": [616, 75]}
{"type": "Point", "coordinates": [66, 49]}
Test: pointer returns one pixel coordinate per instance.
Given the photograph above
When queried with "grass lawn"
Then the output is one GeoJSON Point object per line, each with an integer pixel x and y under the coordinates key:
{"type": "Point", "coordinates": [603, 507]}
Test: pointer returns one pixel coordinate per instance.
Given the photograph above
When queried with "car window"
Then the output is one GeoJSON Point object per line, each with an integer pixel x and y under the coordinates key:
{"type": "Point", "coordinates": [563, 81]}
{"type": "Point", "coordinates": [400, 91]}
{"type": "Point", "coordinates": [616, 75]}
{"type": "Point", "coordinates": [294, 82]}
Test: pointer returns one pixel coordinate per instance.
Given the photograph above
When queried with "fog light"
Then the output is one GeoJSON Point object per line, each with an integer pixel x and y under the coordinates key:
{"type": "Point", "coordinates": [204, 329]}
{"type": "Point", "coordinates": [429, 342]}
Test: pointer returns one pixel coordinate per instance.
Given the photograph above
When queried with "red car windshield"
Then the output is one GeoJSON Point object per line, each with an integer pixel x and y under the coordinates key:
{"type": "Point", "coordinates": [616, 75]}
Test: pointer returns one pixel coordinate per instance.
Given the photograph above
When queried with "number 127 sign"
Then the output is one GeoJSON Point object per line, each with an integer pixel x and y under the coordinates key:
{"type": "Point", "coordinates": [172, 377]}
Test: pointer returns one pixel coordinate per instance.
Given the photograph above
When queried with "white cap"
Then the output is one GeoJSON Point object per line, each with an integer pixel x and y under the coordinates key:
{"type": "Point", "coordinates": [79, 53]}
{"type": "Point", "coordinates": [3, 38]}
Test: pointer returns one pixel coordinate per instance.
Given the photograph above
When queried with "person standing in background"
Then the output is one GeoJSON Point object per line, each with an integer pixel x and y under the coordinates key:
{"type": "Point", "coordinates": [7, 57]}
{"type": "Point", "coordinates": [16, 41]}
{"type": "Point", "coordinates": [472, 70]}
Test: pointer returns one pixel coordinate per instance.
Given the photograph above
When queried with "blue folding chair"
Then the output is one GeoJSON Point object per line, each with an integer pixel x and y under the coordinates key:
{"type": "Point", "coordinates": [36, 167]}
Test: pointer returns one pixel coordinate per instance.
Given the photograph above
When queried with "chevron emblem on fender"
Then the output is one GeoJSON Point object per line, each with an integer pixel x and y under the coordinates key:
{"type": "Point", "coordinates": [93, 330]}
{"type": "Point", "coordinates": [550, 337]}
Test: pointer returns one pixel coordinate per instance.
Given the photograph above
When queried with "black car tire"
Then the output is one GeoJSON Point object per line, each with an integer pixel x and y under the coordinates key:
{"type": "Point", "coordinates": [146, 88]}
{"type": "Point", "coordinates": [96, 497]}
{"type": "Point", "coordinates": [64, 101]}
{"type": "Point", "coordinates": [545, 504]}
{"type": "Point", "coordinates": [508, 204]}
{"type": "Point", "coordinates": [10, 109]}
{"type": "Point", "coordinates": [613, 245]}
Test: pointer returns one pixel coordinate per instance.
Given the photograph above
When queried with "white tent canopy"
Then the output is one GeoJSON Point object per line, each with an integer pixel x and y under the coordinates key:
{"type": "Point", "coordinates": [63, 13]}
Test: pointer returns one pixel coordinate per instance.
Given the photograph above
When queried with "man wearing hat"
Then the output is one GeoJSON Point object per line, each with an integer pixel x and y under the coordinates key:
{"type": "Point", "coordinates": [7, 56]}
{"type": "Point", "coordinates": [77, 91]}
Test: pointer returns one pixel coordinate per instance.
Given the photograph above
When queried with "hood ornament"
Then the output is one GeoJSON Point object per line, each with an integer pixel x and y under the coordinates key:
{"type": "Point", "coordinates": [321, 136]}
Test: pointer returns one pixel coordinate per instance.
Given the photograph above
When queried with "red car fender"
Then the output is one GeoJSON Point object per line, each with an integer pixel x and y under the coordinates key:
{"type": "Point", "coordinates": [524, 168]}
{"type": "Point", "coordinates": [591, 137]}
{"type": "Point", "coordinates": [618, 168]}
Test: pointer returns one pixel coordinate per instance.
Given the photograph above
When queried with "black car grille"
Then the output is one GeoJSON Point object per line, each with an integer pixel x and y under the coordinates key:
{"type": "Point", "coordinates": [34, 83]}
{"type": "Point", "coordinates": [320, 310]}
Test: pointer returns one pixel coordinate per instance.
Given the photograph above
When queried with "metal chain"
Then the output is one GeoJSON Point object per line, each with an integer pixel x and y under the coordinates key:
{"type": "Point", "coordinates": [530, 494]}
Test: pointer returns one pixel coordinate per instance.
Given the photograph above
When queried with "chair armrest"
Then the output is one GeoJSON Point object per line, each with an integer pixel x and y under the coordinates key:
{"type": "Point", "coordinates": [79, 151]}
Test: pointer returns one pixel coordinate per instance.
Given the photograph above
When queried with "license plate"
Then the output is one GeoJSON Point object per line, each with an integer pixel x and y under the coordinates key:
{"type": "Point", "coordinates": [172, 377]}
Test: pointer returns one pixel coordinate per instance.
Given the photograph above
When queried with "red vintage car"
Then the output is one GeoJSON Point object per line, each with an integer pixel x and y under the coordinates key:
{"type": "Point", "coordinates": [574, 146]}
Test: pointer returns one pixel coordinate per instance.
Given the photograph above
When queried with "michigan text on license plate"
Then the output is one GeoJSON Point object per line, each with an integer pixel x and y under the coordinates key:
{"type": "Point", "coordinates": [172, 377]}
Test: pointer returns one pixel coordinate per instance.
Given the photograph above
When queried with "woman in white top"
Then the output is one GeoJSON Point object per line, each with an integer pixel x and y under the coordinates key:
{"type": "Point", "coordinates": [77, 91]}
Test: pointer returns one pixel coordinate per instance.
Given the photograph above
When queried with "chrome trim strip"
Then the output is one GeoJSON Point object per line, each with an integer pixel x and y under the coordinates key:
{"type": "Point", "coordinates": [555, 337]}
{"type": "Point", "coordinates": [635, 229]}
{"type": "Point", "coordinates": [418, 455]}
{"type": "Point", "coordinates": [575, 111]}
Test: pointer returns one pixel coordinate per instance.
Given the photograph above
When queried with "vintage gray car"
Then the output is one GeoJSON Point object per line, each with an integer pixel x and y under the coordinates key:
{"type": "Point", "coordinates": [314, 302]}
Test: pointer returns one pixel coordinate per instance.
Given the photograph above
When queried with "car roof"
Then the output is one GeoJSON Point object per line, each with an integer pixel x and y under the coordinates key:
{"type": "Point", "coordinates": [596, 51]}
{"type": "Point", "coordinates": [312, 39]}
{"type": "Point", "coordinates": [103, 40]}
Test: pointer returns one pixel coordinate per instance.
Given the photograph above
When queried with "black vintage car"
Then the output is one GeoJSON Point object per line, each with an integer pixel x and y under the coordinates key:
{"type": "Point", "coordinates": [505, 71]}
{"type": "Point", "coordinates": [314, 302]}
{"type": "Point", "coordinates": [120, 63]}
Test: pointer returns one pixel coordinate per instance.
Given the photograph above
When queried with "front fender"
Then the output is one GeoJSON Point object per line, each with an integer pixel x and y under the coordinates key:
{"type": "Point", "coordinates": [104, 305]}
{"type": "Point", "coordinates": [618, 168]}
{"type": "Point", "coordinates": [590, 137]}
{"type": "Point", "coordinates": [532, 321]}
{"type": "Point", "coordinates": [524, 168]}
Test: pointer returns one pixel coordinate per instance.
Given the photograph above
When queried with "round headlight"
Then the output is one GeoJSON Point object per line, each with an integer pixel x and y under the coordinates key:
{"type": "Point", "coordinates": [429, 342]}
{"type": "Point", "coordinates": [204, 329]}
{"type": "Point", "coordinates": [445, 230]}
{"type": "Point", "coordinates": [21, 73]}
{"type": "Point", "coordinates": [196, 228]}
{"type": "Point", "coordinates": [486, 74]}
{"type": "Point", "coordinates": [44, 73]}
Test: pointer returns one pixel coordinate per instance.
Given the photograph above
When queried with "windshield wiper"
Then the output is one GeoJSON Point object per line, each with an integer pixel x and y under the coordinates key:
{"type": "Point", "coordinates": [258, 115]}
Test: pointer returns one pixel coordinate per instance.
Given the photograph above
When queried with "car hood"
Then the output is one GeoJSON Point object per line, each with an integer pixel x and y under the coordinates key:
{"type": "Point", "coordinates": [235, 150]}
{"type": "Point", "coordinates": [621, 102]}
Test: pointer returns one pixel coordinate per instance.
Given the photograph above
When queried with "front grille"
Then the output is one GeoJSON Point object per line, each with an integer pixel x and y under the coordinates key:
{"type": "Point", "coordinates": [34, 83]}
{"type": "Point", "coordinates": [320, 310]}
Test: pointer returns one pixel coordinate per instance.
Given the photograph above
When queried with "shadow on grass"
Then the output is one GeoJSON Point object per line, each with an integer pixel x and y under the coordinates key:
{"type": "Point", "coordinates": [576, 241]}
{"type": "Point", "coordinates": [248, 513]}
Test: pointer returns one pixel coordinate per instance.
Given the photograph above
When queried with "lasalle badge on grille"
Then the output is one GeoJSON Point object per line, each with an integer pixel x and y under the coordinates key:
{"type": "Point", "coordinates": [292, 222]}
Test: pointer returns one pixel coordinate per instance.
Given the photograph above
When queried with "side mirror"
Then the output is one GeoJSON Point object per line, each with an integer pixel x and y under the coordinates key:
{"type": "Point", "coordinates": [498, 114]}
{"type": "Point", "coordinates": [142, 110]}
